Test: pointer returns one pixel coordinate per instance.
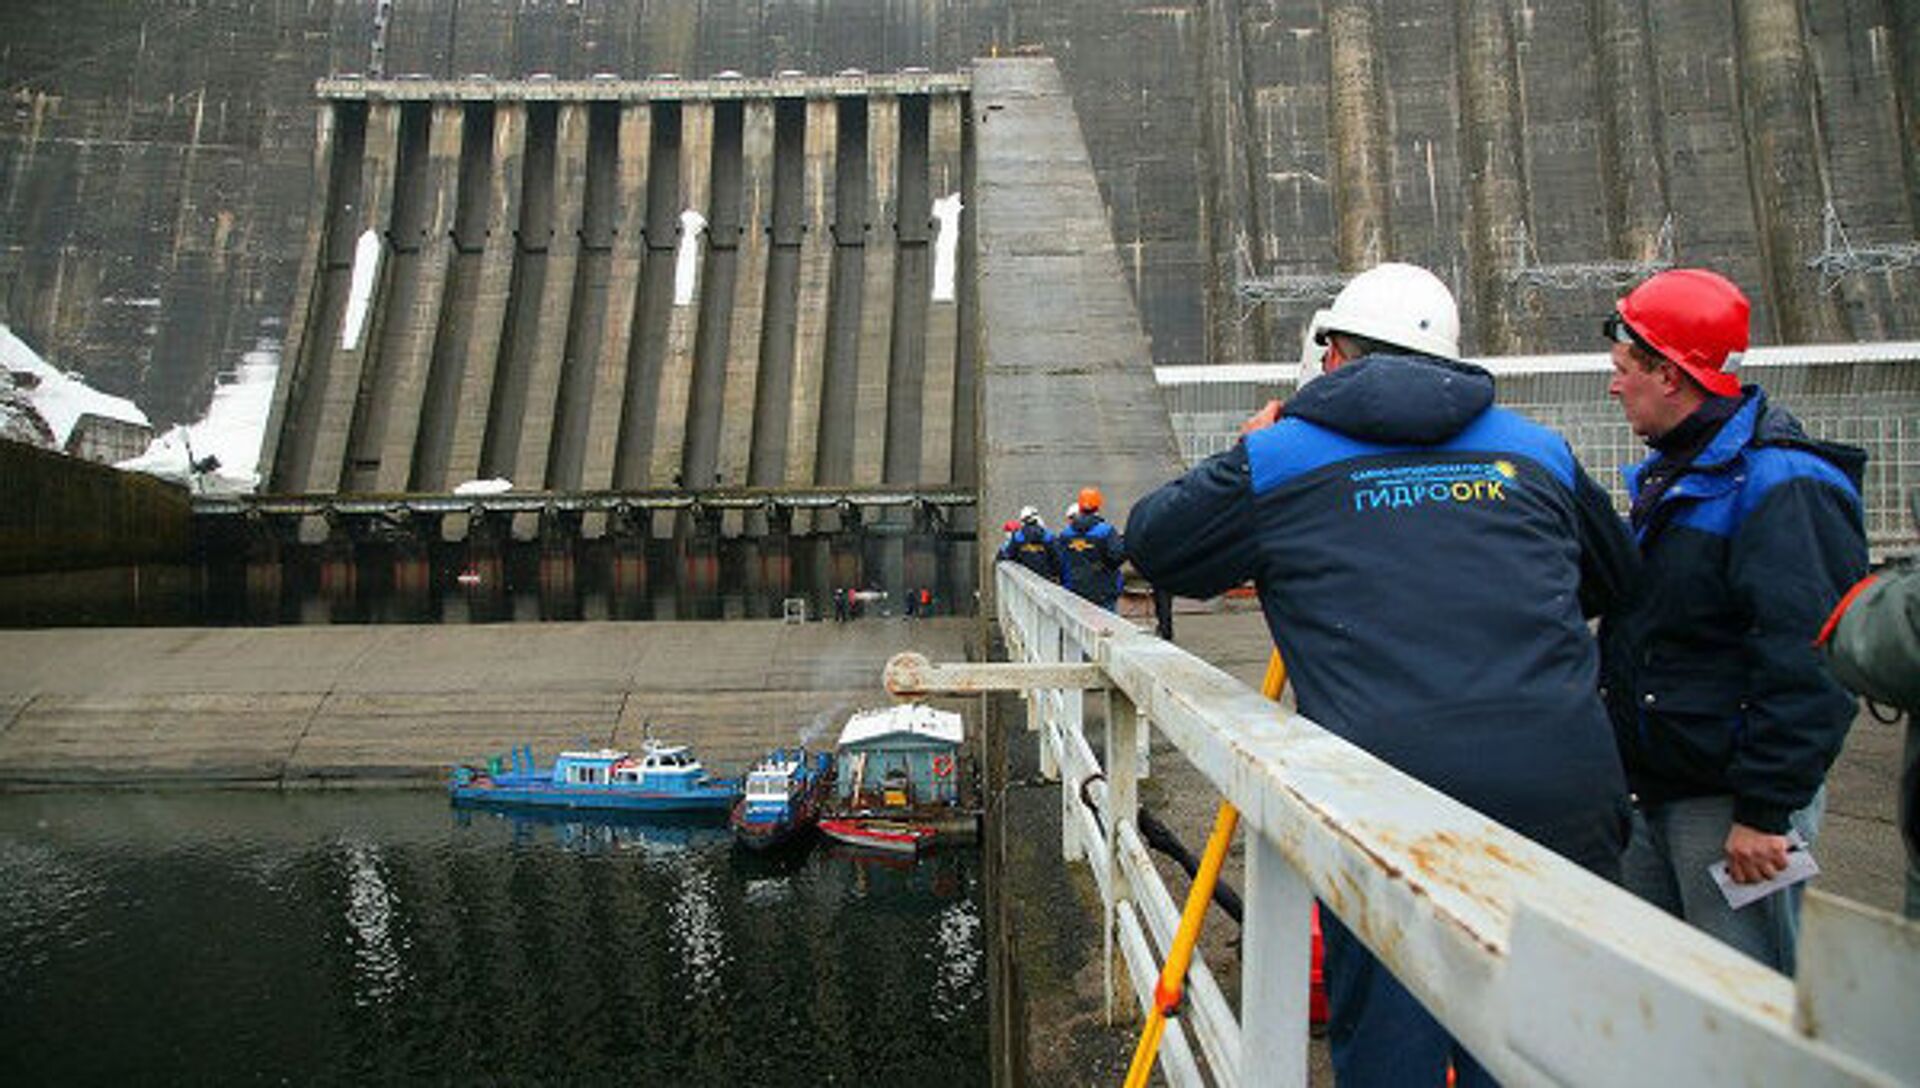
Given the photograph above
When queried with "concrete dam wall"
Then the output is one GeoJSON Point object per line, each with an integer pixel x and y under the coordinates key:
{"type": "Point", "coordinates": [156, 156]}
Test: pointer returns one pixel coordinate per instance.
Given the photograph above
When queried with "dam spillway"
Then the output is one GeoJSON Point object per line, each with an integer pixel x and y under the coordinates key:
{"type": "Point", "coordinates": [613, 284]}
{"type": "Point", "coordinates": [722, 299]}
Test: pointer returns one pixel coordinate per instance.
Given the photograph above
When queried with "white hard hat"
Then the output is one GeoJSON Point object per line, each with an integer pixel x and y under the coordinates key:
{"type": "Point", "coordinates": [1399, 304]}
{"type": "Point", "coordinates": [1028, 513]}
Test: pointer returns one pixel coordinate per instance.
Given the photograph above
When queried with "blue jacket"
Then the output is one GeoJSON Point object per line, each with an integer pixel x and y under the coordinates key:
{"type": "Point", "coordinates": [1425, 561]}
{"type": "Point", "coordinates": [1090, 554]}
{"type": "Point", "coordinates": [1711, 672]}
{"type": "Point", "coordinates": [1031, 546]}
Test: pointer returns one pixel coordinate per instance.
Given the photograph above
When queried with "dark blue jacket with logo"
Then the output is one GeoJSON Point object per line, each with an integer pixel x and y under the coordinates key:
{"type": "Point", "coordinates": [1425, 561]}
{"type": "Point", "coordinates": [1711, 672]}
{"type": "Point", "coordinates": [1031, 546]}
{"type": "Point", "coordinates": [1090, 554]}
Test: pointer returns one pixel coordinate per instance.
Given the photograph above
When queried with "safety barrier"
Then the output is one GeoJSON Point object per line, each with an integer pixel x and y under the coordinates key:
{"type": "Point", "coordinates": [1548, 974]}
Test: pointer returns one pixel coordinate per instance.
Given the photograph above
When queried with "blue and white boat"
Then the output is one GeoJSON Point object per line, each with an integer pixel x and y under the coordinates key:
{"type": "Point", "coordinates": [661, 778]}
{"type": "Point", "coordinates": [785, 792]}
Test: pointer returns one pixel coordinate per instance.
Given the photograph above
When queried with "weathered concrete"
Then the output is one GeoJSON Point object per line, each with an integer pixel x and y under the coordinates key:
{"type": "Point", "coordinates": [164, 153]}
{"type": "Point", "coordinates": [309, 705]}
{"type": "Point", "coordinates": [1069, 399]}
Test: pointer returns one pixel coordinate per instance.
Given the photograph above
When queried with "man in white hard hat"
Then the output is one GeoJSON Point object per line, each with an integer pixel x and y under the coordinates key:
{"type": "Point", "coordinates": [1426, 562]}
{"type": "Point", "coordinates": [1031, 545]}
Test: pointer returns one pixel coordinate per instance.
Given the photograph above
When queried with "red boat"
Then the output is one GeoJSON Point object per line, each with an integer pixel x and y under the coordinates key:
{"type": "Point", "coordinates": [892, 836]}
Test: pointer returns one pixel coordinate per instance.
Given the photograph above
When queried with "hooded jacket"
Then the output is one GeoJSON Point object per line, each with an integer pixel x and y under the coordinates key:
{"type": "Point", "coordinates": [1425, 562]}
{"type": "Point", "coordinates": [1031, 546]}
{"type": "Point", "coordinates": [1090, 553]}
{"type": "Point", "coordinates": [1712, 677]}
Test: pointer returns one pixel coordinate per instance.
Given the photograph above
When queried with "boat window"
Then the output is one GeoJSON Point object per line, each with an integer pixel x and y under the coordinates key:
{"type": "Point", "coordinates": [588, 775]}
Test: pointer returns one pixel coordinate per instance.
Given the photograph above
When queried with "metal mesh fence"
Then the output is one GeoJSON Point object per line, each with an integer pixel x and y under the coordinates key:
{"type": "Point", "coordinates": [1874, 405]}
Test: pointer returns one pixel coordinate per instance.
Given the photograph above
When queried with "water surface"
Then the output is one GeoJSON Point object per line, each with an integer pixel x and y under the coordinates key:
{"type": "Point", "coordinates": [379, 937]}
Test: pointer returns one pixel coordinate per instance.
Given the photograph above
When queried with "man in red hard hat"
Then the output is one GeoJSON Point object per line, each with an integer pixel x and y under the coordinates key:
{"type": "Point", "coordinates": [1749, 531]}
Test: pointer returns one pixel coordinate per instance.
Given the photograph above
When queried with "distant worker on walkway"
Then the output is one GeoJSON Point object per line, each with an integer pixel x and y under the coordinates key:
{"type": "Point", "coordinates": [1426, 561]}
{"type": "Point", "coordinates": [1749, 532]}
{"type": "Point", "coordinates": [1873, 643]}
{"type": "Point", "coordinates": [1091, 552]}
{"type": "Point", "coordinates": [1031, 546]}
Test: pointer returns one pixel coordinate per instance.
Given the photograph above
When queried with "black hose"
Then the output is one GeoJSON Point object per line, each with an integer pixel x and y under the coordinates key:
{"type": "Point", "coordinates": [1158, 836]}
{"type": "Point", "coordinates": [1161, 838]}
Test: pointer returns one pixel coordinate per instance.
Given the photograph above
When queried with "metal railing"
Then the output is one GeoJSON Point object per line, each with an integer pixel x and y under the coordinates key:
{"type": "Point", "coordinates": [1547, 973]}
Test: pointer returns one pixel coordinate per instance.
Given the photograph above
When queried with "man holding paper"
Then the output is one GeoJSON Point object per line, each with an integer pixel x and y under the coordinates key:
{"type": "Point", "coordinates": [1749, 531]}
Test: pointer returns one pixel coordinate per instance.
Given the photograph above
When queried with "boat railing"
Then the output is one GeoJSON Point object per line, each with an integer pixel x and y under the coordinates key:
{"type": "Point", "coordinates": [1547, 973]}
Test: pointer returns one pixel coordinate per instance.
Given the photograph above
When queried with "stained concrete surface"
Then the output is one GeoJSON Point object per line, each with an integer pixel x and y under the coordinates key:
{"type": "Point", "coordinates": [309, 705]}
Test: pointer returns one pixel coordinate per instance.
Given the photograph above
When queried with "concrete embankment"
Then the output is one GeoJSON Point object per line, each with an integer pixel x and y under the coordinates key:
{"type": "Point", "coordinates": [308, 706]}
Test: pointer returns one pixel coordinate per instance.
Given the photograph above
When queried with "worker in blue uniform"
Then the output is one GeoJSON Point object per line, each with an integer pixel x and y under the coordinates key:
{"type": "Point", "coordinates": [1031, 545]}
{"type": "Point", "coordinates": [1749, 532]}
{"type": "Point", "coordinates": [1426, 562]}
{"type": "Point", "coordinates": [1091, 552]}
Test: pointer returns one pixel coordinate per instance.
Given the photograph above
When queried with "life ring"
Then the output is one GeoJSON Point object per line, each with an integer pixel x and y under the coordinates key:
{"type": "Point", "coordinates": [942, 766]}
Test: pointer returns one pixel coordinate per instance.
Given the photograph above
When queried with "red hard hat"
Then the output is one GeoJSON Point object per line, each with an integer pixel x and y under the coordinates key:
{"type": "Point", "coordinates": [1012, 525]}
{"type": "Point", "coordinates": [1697, 319]}
{"type": "Point", "coordinates": [1089, 499]}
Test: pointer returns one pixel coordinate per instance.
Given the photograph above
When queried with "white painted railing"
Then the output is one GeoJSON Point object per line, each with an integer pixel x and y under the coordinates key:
{"type": "Point", "coordinates": [1548, 974]}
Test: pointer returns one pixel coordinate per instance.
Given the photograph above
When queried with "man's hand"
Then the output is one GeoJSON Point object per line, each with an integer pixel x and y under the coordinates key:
{"type": "Point", "coordinates": [1753, 856]}
{"type": "Point", "coordinates": [1265, 417]}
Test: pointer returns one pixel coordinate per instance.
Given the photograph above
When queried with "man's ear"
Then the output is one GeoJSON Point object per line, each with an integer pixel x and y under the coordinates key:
{"type": "Point", "coordinates": [1673, 380]}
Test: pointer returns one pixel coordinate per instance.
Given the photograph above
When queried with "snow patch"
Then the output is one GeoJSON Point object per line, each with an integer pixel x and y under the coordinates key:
{"type": "Point", "coordinates": [494, 486]}
{"type": "Point", "coordinates": [230, 431]}
{"type": "Point", "coordinates": [61, 399]}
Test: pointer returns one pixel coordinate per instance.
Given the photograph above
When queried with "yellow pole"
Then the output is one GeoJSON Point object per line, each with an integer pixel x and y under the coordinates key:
{"type": "Point", "coordinates": [1276, 681]}
{"type": "Point", "coordinates": [1166, 992]}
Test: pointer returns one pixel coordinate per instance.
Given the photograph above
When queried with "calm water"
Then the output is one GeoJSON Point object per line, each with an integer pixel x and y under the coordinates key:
{"type": "Point", "coordinates": [383, 937]}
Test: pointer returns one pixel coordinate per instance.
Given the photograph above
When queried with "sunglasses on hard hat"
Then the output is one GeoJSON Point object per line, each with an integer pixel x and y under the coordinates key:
{"type": "Point", "coordinates": [1616, 330]}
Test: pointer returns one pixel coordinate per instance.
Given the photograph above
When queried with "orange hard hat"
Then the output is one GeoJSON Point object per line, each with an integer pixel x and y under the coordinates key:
{"type": "Point", "coordinates": [1089, 499]}
{"type": "Point", "coordinates": [1695, 318]}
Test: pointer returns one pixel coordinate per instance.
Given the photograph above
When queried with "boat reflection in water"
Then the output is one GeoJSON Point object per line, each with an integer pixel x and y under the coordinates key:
{"type": "Point", "coordinates": [370, 938]}
{"type": "Point", "coordinates": [593, 832]}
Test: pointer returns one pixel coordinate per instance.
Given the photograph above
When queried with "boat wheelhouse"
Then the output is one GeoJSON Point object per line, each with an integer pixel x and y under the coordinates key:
{"type": "Point", "coordinates": [784, 794]}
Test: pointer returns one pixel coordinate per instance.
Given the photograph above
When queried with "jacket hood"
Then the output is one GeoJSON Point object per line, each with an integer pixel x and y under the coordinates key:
{"type": "Point", "coordinates": [1759, 423]}
{"type": "Point", "coordinates": [1396, 399]}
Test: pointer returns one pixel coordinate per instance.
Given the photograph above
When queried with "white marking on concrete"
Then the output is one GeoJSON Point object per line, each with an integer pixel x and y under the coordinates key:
{"type": "Point", "coordinates": [366, 269]}
{"type": "Point", "coordinates": [946, 246]}
{"type": "Point", "coordinates": [686, 263]}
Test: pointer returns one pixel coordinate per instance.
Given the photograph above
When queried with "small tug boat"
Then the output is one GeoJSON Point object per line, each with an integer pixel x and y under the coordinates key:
{"type": "Point", "coordinates": [662, 778]}
{"type": "Point", "coordinates": [785, 792]}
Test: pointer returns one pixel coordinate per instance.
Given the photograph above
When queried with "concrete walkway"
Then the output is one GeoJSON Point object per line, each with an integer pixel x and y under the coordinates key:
{"type": "Point", "coordinates": [313, 705]}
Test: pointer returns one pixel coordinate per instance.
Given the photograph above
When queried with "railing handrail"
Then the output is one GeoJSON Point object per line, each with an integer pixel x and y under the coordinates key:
{"type": "Point", "coordinates": [1547, 973]}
